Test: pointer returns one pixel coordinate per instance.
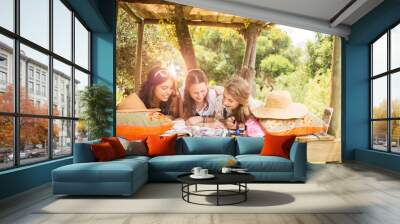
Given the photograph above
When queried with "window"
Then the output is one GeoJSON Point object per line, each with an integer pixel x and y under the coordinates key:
{"type": "Point", "coordinates": [3, 72]}
{"type": "Point", "coordinates": [62, 140]}
{"type": "Point", "coordinates": [62, 74]}
{"type": "Point", "coordinates": [81, 81]}
{"type": "Point", "coordinates": [3, 61]}
{"type": "Point", "coordinates": [44, 91]}
{"type": "Point", "coordinates": [385, 94]}
{"type": "Point", "coordinates": [395, 47]}
{"type": "Point", "coordinates": [30, 72]}
{"type": "Point", "coordinates": [7, 14]}
{"type": "Point", "coordinates": [38, 89]}
{"type": "Point", "coordinates": [62, 29]}
{"type": "Point", "coordinates": [33, 148]}
{"type": "Point", "coordinates": [47, 74]}
{"type": "Point", "coordinates": [3, 78]}
{"type": "Point", "coordinates": [7, 142]}
{"type": "Point", "coordinates": [6, 73]}
{"type": "Point", "coordinates": [34, 21]}
{"type": "Point", "coordinates": [30, 87]}
{"type": "Point", "coordinates": [81, 45]}
{"type": "Point", "coordinates": [37, 74]}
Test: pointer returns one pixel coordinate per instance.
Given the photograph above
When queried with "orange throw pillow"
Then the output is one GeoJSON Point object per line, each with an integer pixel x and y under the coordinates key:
{"type": "Point", "coordinates": [103, 152]}
{"type": "Point", "coordinates": [277, 145]}
{"type": "Point", "coordinates": [161, 146]}
{"type": "Point", "coordinates": [116, 145]}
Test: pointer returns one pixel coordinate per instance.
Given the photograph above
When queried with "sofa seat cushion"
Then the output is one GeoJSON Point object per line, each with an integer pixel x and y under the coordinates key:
{"type": "Point", "coordinates": [185, 163]}
{"type": "Point", "coordinates": [112, 171]}
{"type": "Point", "coordinates": [257, 163]}
{"type": "Point", "coordinates": [133, 157]}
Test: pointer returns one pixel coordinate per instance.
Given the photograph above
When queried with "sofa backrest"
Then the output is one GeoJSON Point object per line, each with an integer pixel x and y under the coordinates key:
{"type": "Point", "coordinates": [206, 145]}
{"type": "Point", "coordinates": [249, 145]}
{"type": "Point", "coordinates": [83, 153]}
{"type": "Point", "coordinates": [190, 146]}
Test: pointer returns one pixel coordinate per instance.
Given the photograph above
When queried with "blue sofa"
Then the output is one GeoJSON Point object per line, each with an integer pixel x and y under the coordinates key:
{"type": "Point", "coordinates": [125, 176]}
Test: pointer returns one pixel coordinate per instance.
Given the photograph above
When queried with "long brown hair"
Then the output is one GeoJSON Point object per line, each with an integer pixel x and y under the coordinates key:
{"type": "Point", "coordinates": [239, 89]}
{"type": "Point", "coordinates": [194, 76]}
{"type": "Point", "coordinates": [155, 77]}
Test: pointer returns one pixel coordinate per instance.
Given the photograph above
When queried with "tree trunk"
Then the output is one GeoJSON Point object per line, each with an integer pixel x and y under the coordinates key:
{"type": "Point", "coordinates": [250, 35]}
{"type": "Point", "coordinates": [184, 39]}
{"type": "Point", "coordinates": [336, 79]}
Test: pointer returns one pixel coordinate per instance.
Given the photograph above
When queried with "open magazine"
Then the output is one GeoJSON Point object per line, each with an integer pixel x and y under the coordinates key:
{"type": "Point", "coordinates": [181, 129]}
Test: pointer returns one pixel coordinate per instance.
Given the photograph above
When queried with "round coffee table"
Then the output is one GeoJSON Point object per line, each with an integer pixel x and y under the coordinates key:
{"type": "Point", "coordinates": [238, 179]}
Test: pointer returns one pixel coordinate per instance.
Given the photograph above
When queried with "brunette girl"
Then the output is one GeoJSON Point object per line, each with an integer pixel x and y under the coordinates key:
{"type": "Point", "coordinates": [159, 91]}
{"type": "Point", "coordinates": [198, 99]}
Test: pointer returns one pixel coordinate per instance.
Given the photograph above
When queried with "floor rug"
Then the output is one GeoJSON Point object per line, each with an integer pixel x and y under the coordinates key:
{"type": "Point", "coordinates": [167, 198]}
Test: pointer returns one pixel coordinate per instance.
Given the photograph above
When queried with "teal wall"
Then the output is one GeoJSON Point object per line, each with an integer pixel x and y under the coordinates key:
{"type": "Point", "coordinates": [356, 85]}
{"type": "Point", "coordinates": [99, 16]}
{"type": "Point", "coordinates": [24, 178]}
{"type": "Point", "coordinates": [103, 65]}
{"type": "Point", "coordinates": [103, 53]}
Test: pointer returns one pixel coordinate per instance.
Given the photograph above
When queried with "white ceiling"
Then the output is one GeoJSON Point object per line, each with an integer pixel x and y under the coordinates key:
{"type": "Point", "coordinates": [314, 15]}
{"type": "Point", "coordinates": [321, 9]}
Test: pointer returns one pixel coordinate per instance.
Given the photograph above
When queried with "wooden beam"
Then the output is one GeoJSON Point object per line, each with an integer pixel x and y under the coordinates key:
{"type": "Point", "coordinates": [184, 39]}
{"type": "Point", "coordinates": [128, 10]}
{"type": "Point", "coordinates": [201, 23]}
{"type": "Point", "coordinates": [141, 10]}
{"type": "Point", "coordinates": [160, 2]}
{"type": "Point", "coordinates": [186, 11]}
{"type": "Point", "coordinates": [248, 72]}
{"type": "Point", "coordinates": [336, 83]}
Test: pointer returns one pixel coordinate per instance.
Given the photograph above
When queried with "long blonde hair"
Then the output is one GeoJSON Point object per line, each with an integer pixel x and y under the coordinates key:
{"type": "Point", "coordinates": [239, 89]}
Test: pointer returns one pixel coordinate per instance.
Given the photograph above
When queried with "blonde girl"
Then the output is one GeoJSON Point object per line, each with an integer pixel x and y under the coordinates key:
{"type": "Point", "coordinates": [234, 106]}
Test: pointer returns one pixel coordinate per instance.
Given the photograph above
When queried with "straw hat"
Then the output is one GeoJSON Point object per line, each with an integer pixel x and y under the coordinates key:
{"type": "Point", "coordinates": [133, 103]}
{"type": "Point", "coordinates": [279, 105]}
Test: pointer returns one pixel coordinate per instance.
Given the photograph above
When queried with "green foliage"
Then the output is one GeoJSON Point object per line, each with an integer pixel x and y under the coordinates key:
{"type": "Point", "coordinates": [276, 65]}
{"type": "Point", "coordinates": [317, 93]}
{"type": "Point", "coordinates": [126, 34]}
{"type": "Point", "coordinates": [294, 83]}
{"type": "Point", "coordinates": [272, 41]}
{"type": "Point", "coordinates": [97, 104]}
{"type": "Point", "coordinates": [320, 55]}
{"type": "Point", "coordinates": [219, 51]}
{"type": "Point", "coordinates": [275, 57]}
{"type": "Point", "coordinates": [167, 29]}
{"type": "Point", "coordinates": [309, 81]}
{"type": "Point", "coordinates": [159, 48]}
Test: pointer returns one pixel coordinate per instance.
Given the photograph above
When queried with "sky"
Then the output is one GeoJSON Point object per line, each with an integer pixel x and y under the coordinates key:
{"type": "Point", "coordinates": [299, 36]}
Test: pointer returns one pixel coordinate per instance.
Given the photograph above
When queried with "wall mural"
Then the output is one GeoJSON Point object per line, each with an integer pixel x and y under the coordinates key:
{"type": "Point", "coordinates": [189, 71]}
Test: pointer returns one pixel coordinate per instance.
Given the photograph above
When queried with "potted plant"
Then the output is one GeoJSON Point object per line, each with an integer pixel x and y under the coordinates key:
{"type": "Point", "coordinates": [96, 102]}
